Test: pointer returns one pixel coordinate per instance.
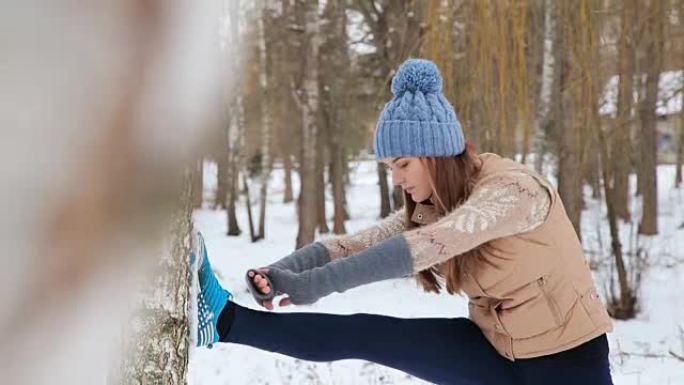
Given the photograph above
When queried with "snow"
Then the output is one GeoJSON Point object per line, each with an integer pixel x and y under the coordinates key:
{"type": "Point", "coordinates": [639, 348]}
{"type": "Point", "coordinates": [669, 101]}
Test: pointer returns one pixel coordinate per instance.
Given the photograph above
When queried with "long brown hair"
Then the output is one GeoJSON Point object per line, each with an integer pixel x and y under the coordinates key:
{"type": "Point", "coordinates": [452, 180]}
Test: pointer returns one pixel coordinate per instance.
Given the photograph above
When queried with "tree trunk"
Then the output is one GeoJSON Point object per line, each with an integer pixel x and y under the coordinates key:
{"type": "Point", "coordinates": [287, 164]}
{"type": "Point", "coordinates": [385, 207]}
{"type": "Point", "coordinates": [321, 186]}
{"type": "Point", "coordinates": [522, 76]}
{"type": "Point", "coordinates": [335, 64]}
{"type": "Point", "coordinates": [592, 175]}
{"type": "Point", "coordinates": [346, 182]}
{"type": "Point", "coordinates": [337, 182]}
{"type": "Point", "coordinates": [622, 307]}
{"type": "Point", "coordinates": [506, 130]}
{"type": "Point", "coordinates": [542, 121]}
{"type": "Point", "coordinates": [308, 104]}
{"type": "Point", "coordinates": [569, 179]}
{"type": "Point", "coordinates": [567, 134]}
{"type": "Point", "coordinates": [248, 203]}
{"type": "Point", "coordinates": [231, 213]}
{"type": "Point", "coordinates": [620, 161]}
{"type": "Point", "coordinates": [237, 163]}
{"type": "Point", "coordinates": [156, 345]}
{"type": "Point", "coordinates": [397, 198]}
{"type": "Point", "coordinates": [235, 137]}
{"type": "Point", "coordinates": [647, 113]}
{"type": "Point", "coordinates": [231, 195]}
{"type": "Point", "coordinates": [265, 122]}
{"type": "Point", "coordinates": [587, 54]}
{"type": "Point", "coordinates": [233, 178]}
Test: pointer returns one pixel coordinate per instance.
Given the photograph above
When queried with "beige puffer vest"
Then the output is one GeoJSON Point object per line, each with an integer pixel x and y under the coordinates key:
{"type": "Point", "coordinates": [541, 298]}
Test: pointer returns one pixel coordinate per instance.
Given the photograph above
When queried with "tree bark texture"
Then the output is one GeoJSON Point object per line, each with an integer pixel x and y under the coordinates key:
{"type": "Point", "coordinates": [647, 113]}
{"type": "Point", "coordinates": [265, 120]}
{"type": "Point", "coordinates": [308, 104]}
{"type": "Point", "coordinates": [157, 345]}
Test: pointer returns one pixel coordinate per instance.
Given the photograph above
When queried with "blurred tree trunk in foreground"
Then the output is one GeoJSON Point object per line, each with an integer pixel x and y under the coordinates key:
{"type": "Point", "coordinates": [156, 346]}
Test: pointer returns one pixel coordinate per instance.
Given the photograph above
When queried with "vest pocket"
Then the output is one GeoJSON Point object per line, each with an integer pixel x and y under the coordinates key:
{"type": "Point", "coordinates": [539, 309]}
{"type": "Point", "coordinates": [553, 306]}
{"type": "Point", "coordinates": [591, 302]}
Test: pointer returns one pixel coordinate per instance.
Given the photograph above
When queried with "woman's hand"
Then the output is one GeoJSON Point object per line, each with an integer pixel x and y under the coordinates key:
{"type": "Point", "coordinates": [262, 285]}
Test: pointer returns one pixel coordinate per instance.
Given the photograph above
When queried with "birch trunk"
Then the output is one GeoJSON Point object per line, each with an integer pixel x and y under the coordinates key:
{"type": "Point", "coordinates": [547, 80]}
{"type": "Point", "coordinates": [235, 134]}
{"type": "Point", "coordinates": [320, 184]}
{"type": "Point", "coordinates": [265, 123]}
{"type": "Point", "coordinates": [232, 190]}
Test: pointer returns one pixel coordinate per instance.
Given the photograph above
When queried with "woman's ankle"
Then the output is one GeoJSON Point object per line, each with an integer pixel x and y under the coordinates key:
{"type": "Point", "coordinates": [225, 320]}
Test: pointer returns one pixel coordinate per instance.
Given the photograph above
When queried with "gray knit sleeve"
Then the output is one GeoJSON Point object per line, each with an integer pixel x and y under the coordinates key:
{"type": "Point", "coordinates": [388, 259]}
{"type": "Point", "coordinates": [305, 258]}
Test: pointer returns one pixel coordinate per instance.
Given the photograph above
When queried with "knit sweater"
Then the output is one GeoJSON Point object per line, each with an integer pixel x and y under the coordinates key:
{"type": "Point", "coordinates": [503, 204]}
{"type": "Point", "coordinates": [538, 298]}
{"type": "Point", "coordinates": [500, 205]}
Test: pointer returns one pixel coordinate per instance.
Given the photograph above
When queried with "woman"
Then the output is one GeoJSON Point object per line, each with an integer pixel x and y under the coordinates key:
{"type": "Point", "coordinates": [478, 224]}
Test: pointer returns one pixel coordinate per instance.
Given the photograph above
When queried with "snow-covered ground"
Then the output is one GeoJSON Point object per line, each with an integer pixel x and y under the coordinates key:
{"type": "Point", "coordinates": [639, 348]}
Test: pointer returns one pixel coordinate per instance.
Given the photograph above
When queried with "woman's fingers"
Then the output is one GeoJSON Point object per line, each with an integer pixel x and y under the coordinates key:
{"type": "Point", "coordinates": [285, 301]}
{"type": "Point", "coordinates": [268, 304]}
{"type": "Point", "coordinates": [260, 281]}
{"type": "Point", "coordinates": [258, 277]}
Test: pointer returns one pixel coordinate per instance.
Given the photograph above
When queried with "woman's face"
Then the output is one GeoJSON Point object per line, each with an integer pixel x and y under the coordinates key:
{"type": "Point", "coordinates": [411, 175]}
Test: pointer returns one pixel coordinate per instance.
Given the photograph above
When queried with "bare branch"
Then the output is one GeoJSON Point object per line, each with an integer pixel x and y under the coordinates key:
{"type": "Point", "coordinates": [680, 357]}
{"type": "Point", "coordinates": [370, 16]}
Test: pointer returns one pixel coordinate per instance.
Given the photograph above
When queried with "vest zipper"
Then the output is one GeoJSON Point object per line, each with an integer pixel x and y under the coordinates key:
{"type": "Point", "coordinates": [549, 301]}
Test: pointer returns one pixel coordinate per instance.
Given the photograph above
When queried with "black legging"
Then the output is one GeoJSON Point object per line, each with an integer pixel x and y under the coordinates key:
{"type": "Point", "coordinates": [439, 350]}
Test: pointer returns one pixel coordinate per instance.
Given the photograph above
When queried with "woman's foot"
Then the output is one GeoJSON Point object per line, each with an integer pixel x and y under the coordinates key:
{"type": "Point", "coordinates": [211, 297]}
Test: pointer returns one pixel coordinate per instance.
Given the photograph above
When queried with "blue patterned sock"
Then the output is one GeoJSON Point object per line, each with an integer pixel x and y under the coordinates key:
{"type": "Point", "coordinates": [211, 298]}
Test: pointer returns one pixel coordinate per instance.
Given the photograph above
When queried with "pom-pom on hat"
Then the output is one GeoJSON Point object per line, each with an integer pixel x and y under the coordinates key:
{"type": "Point", "coordinates": [418, 121]}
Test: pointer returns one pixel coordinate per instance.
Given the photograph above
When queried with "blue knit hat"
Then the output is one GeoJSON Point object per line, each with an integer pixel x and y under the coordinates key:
{"type": "Point", "coordinates": [418, 121]}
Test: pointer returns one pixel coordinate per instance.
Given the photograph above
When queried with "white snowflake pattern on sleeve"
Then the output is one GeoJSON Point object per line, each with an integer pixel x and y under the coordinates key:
{"type": "Point", "coordinates": [502, 205]}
